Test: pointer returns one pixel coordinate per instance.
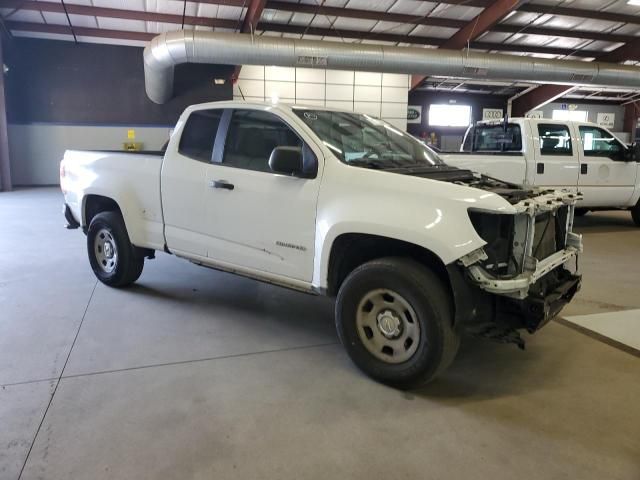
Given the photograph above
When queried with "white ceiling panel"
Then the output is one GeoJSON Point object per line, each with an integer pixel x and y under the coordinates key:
{"type": "Point", "coordinates": [121, 4]}
{"type": "Point", "coordinates": [111, 41]}
{"type": "Point", "coordinates": [46, 36]}
{"type": "Point", "coordinates": [436, 32]}
{"type": "Point", "coordinates": [413, 7]}
{"type": "Point", "coordinates": [322, 21]}
{"type": "Point", "coordinates": [602, 46]}
{"type": "Point", "coordinates": [375, 5]}
{"type": "Point", "coordinates": [226, 11]}
{"type": "Point", "coordinates": [354, 24]}
{"type": "Point", "coordinates": [76, 20]}
{"type": "Point", "coordinates": [458, 12]}
{"type": "Point", "coordinates": [206, 10]}
{"type": "Point", "coordinates": [495, 37]}
{"type": "Point", "coordinates": [327, 3]}
{"type": "Point", "coordinates": [120, 24]}
{"type": "Point", "coordinates": [526, 18]}
{"type": "Point", "coordinates": [276, 16]}
{"type": "Point", "coordinates": [393, 27]}
{"type": "Point", "coordinates": [629, 29]}
{"type": "Point", "coordinates": [533, 40]}
{"type": "Point", "coordinates": [74, 2]}
{"type": "Point", "coordinates": [26, 16]}
{"type": "Point", "coordinates": [568, 43]}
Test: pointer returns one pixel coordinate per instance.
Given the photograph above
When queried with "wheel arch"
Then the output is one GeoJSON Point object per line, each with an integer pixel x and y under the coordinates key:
{"type": "Point", "coordinates": [350, 250]}
{"type": "Point", "coordinates": [94, 204]}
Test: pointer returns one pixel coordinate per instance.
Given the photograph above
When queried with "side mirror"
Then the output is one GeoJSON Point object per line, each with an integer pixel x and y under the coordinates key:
{"type": "Point", "coordinates": [632, 154]}
{"type": "Point", "coordinates": [286, 160]}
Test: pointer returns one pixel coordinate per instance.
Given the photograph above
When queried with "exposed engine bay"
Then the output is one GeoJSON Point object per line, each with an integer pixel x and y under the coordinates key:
{"type": "Point", "coordinates": [528, 269]}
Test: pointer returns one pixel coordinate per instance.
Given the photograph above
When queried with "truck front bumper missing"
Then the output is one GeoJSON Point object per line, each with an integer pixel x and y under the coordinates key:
{"type": "Point", "coordinates": [500, 317]}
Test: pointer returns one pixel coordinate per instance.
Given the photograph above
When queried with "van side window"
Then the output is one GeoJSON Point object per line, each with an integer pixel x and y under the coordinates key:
{"type": "Point", "coordinates": [199, 134]}
{"type": "Point", "coordinates": [599, 143]}
{"type": "Point", "coordinates": [554, 139]}
{"type": "Point", "coordinates": [252, 136]}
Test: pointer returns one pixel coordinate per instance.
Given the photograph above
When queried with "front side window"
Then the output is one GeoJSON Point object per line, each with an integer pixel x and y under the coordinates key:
{"type": "Point", "coordinates": [597, 142]}
{"type": "Point", "coordinates": [554, 139]}
{"type": "Point", "coordinates": [493, 138]}
{"type": "Point", "coordinates": [252, 136]}
{"type": "Point", "coordinates": [359, 139]}
{"type": "Point", "coordinates": [199, 134]}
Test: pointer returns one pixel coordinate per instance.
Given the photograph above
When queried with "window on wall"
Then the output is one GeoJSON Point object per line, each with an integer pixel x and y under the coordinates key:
{"type": "Point", "coordinates": [566, 115]}
{"type": "Point", "coordinates": [449, 115]}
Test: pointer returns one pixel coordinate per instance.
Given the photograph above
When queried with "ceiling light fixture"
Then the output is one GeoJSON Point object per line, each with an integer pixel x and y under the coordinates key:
{"type": "Point", "coordinates": [634, 2]}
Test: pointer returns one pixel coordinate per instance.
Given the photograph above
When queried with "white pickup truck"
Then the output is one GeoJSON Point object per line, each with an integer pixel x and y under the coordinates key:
{"type": "Point", "coordinates": [339, 204]}
{"type": "Point", "coordinates": [575, 156]}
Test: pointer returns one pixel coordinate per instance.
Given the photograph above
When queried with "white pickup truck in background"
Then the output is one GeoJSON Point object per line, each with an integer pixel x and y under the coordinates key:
{"type": "Point", "coordinates": [577, 156]}
{"type": "Point", "coordinates": [338, 204]}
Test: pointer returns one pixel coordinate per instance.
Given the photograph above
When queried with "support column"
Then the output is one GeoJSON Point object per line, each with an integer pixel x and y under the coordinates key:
{"type": "Point", "coordinates": [5, 167]}
{"type": "Point", "coordinates": [631, 118]}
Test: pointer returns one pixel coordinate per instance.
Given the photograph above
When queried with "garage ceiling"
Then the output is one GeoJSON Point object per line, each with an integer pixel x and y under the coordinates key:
{"type": "Point", "coordinates": [578, 29]}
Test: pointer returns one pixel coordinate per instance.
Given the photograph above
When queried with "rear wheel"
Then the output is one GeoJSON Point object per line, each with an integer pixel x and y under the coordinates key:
{"type": "Point", "coordinates": [394, 318]}
{"type": "Point", "coordinates": [114, 260]}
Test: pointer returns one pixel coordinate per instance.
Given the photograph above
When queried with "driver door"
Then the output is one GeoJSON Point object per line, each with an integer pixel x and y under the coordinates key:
{"type": "Point", "coordinates": [258, 219]}
{"type": "Point", "coordinates": [606, 179]}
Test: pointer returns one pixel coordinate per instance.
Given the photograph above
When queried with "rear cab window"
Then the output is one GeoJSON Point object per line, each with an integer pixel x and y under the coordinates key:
{"type": "Point", "coordinates": [555, 139]}
{"type": "Point", "coordinates": [199, 134]}
{"type": "Point", "coordinates": [493, 138]}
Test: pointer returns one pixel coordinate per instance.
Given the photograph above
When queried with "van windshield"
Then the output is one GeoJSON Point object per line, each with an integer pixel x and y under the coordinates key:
{"type": "Point", "coordinates": [493, 138]}
{"type": "Point", "coordinates": [366, 141]}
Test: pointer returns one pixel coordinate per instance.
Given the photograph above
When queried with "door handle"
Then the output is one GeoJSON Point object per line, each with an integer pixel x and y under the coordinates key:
{"type": "Point", "coordinates": [540, 168]}
{"type": "Point", "coordinates": [584, 168]}
{"type": "Point", "coordinates": [221, 184]}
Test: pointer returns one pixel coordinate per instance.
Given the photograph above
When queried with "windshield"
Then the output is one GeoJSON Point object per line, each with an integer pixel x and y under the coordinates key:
{"type": "Point", "coordinates": [363, 140]}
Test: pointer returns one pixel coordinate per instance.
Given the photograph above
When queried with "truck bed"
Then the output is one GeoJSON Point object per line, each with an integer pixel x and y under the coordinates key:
{"type": "Point", "coordinates": [132, 179]}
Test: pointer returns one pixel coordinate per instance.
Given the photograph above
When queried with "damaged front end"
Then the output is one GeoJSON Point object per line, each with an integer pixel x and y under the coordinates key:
{"type": "Point", "coordinates": [526, 272]}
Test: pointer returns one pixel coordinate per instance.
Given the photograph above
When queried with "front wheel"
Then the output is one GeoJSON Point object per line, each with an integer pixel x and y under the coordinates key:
{"type": "Point", "coordinates": [395, 320]}
{"type": "Point", "coordinates": [114, 260]}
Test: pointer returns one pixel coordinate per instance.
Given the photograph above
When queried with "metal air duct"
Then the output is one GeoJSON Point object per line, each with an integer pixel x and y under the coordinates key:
{"type": "Point", "coordinates": [192, 46]}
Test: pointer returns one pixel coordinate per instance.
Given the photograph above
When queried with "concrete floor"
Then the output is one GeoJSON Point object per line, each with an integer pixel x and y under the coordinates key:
{"type": "Point", "coordinates": [196, 374]}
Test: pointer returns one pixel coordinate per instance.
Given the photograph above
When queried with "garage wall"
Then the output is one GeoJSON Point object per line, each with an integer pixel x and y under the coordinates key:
{"type": "Point", "coordinates": [36, 149]}
{"type": "Point", "coordinates": [382, 95]}
{"type": "Point", "coordinates": [450, 138]}
{"type": "Point", "coordinates": [64, 96]}
{"type": "Point", "coordinates": [593, 110]}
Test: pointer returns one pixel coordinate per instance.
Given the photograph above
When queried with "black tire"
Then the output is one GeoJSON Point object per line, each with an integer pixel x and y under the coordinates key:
{"type": "Point", "coordinates": [438, 341]}
{"type": "Point", "coordinates": [128, 262]}
{"type": "Point", "coordinates": [635, 214]}
{"type": "Point", "coordinates": [581, 212]}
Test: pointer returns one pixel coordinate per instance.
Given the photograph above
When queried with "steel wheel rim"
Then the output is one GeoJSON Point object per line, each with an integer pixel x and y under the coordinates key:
{"type": "Point", "coordinates": [105, 251]}
{"type": "Point", "coordinates": [388, 326]}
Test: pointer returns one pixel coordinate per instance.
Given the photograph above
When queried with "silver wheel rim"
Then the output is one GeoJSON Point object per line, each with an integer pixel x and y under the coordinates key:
{"type": "Point", "coordinates": [105, 251]}
{"type": "Point", "coordinates": [388, 326]}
